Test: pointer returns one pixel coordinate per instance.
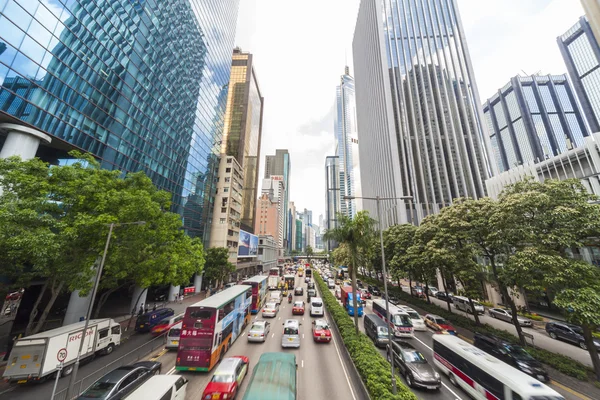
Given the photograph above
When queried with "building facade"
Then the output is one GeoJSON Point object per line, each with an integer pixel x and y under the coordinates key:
{"type": "Point", "coordinates": [332, 197]}
{"type": "Point", "coordinates": [272, 198]}
{"type": "Point", "coordinates": [242, 129]}
{"type": "Point", "coordinates": [292, 217]}
{"type": "Point", "coordinates": [533, 118]}
{"type": "Point", "coordinates": [346, 144]}
{"type": "Point", "coordinates": [581, 53]}
{"type": "Point", "coordinates": [280, 165]}
{"type": "Point", "coordinates": [419, 116]}
{"type": "Point", "coordinates": [299, 234]}
{"type": "Point", "coordinates": [592, 12]}
{"type": "Point", "coordinates": [268, 252]}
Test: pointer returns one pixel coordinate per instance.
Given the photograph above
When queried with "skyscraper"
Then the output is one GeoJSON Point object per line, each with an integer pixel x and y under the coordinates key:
{"type": "Point", "coordinates": [280, 165]}
{"type": "Point", "coordinates": [419, 114]}
{"type": "Point", "coordinates": [533, 118]}
{"type": "Point", "coordinates": [592, 12]}
{"type": "Point", "coordinates": [274, 188]}
{"type": "Point", "coordinates": [346, 144]}
{"type": "Point", "coordinates": [140, 85]}
{"type": "Point", "coordinates": [332, 197]}
{"type": "Point", "coordinates": [581, 53]}
{"type": "Point", "coordinates": [243, 129]}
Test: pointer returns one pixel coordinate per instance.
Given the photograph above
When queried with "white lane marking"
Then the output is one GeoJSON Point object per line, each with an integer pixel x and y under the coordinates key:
{"type": "Point", "coordinates": [170, 371]}
{"type": "Point", "coordinates": [9, 390]}
{"type": "Point", "coordinates": [343, 366]}
{"type": "Point", "coordinates": [272, 335]}
{"type": "Point", "coordinates": [443, 384]}
{"type": "Point", "coordinates": [302, 363]}
{"type": "Point", "coordinates": [278, 319]}
{"type": "Point", "coordinates": [303, 336]}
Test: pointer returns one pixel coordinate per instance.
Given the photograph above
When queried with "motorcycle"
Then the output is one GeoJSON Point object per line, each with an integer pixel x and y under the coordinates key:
{"type": "Point", "coordinates": [290, 298]}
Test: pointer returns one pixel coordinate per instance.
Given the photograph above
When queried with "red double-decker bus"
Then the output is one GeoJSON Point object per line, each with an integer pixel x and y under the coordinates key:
{"type": "Point", "coordinates": [259, 291]}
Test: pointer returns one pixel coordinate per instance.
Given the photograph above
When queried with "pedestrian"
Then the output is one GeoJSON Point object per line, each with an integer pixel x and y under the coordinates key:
{"type": "Point", "coordinates": [154, 307]}
{"type": "Point", "coordinates": [176, 297]}
{"type": "Point", "coordinates": [146, 308]}
{"type": "Point", "coordinates": [141, 311]}
{"type": "Point", "coordinates": [181, 299]}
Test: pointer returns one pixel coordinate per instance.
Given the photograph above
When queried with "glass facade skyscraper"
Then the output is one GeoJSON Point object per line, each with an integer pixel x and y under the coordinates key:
{"type": "Point", "coordinates": [142, 85]}
{"type": "Point", "coordinates": [419, 115]}
{"type": "Point", "coordinates": [533, 118]}
{"type": "Point", "coordinates": [346, 144]}
{"type": "Point", "coordinates": [332, 196]}
{"type": "Point", "coordinates": [279, 165]}
{"type": "Point", "coordinates": [581, 53]}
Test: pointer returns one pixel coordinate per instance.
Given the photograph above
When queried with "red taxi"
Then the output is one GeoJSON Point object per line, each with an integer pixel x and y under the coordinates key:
{"type": "Point", "coordinates": [298, 308]}
{"type": "Point", "coordinates": [166, 324]}
{"type": "Point", "coordinates": [438, 323]}
{"type": "Point", "coordinates": [227, 379]}
{"type": "Point", "coordinates": [321, 331]}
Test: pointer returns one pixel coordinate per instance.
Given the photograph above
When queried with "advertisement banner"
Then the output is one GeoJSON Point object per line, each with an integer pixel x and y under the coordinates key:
{"type": "Point", "coordinates": [248, 245]}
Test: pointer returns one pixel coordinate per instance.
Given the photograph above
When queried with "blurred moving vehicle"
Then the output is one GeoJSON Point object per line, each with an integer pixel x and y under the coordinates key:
{"type": "Point", "coordinates": [414, 367]}
{"type": "Point", "coordinates": [227, 378]}
{"type": "Point", "coordinates": [259, 331]}
{"type": "Point", "coordinates": [121, 382]}
{"type": "Point", "coordinates": [417, 322]}
{"type": "Point", "coordinates": [299, 291]}
{"type": "Point", "coordinates": [463, 304]}
{"type": "Point", "coordinates": [365, 294]}
{"type": "Point", "coordinates": [374, 290]}
{"type": "Point", "coordinates": [148, 320]}
{"type": "Point", "coordinates": [161, 387]}
{"type": "Point", "coordinates": [400, 323]}
{"type": "Point", "coordinates": [166, 324]}
{"type": "Point", "coordinates": [291, 333]}
{"type": "Point", "coordinates": [321, 331]}
{"type": "Point", "coordinates": [506, 315]}
{"type": "Point", "coordinates": [316, 307]}
{"type": "Point", "coordinates": [273, 377]}
{"type": "Point", "coordinates": [438, 323]}
{"type": "Point", "coordinates": [418, 291]}
{"type": "Point", "coordinates": [442, 296]}
{"type": "Point", "coordinates": [330, 283]}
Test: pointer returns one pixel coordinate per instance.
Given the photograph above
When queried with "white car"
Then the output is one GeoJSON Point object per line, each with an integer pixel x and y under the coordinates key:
{"type": "Point", "coordinates": [270, 310]}
{"type": "Point", "coordinates": [331, 284]}
{"type": "Point", "coordinates": [259, 331]}
{"type": "Point", "coordinates": [415, 318]}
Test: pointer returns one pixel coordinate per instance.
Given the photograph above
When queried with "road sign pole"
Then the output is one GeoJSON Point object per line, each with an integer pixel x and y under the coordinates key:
{"type": "Point", "coordinates": [59, 367]}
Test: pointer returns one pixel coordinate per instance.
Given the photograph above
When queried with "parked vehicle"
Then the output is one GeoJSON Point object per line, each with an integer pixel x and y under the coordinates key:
{"type": "Point", "coordinates": [463, 304]}
{"type": "Point", "coordinates": [227, 378]}
{"type": "Point", "coordinates": [33, 358]}
{"type": "Point", "coordinates": [511, 354]}
{"type": "Point", "coordinates": [414, 367]}
{"type": "Point", "coordinates": [506, 315]}
{"type": "Point", "coordinates": [418, 291]}
{"type": "Point", "coordinates": [348, 302]}
{"type": "Point", "coordinates": [173, 337]}
{"type": "Point", "coordinates": [569, 333]}
{"type": "Point", "coordinates": [376, 329]}
{"type": "Point", "coordinates": [161, 387]}
{"type": "Point", "coordinates": [273, 377]}
{"type": "Point", "coordinates": [147, 321]}
{"type": "Point", "coordinates": [438, 323]}
{"type": "Point", "coordinates": [259, 331]}
{"type": "Point", "coordinates": [321, 331]}
{"type": "Point", "coordinates": [291, 333]}
{"type": "Point", "coordinates": [166, 324]}
{"type": "Point", "coordinates": [121, 382]}
{"type": "Point", "coordinates": [433, 290]}
{"type": "Point", "coordinates": [442, 296]}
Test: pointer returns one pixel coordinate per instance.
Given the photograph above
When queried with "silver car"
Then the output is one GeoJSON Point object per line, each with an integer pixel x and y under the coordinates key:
{"type": "Point", "coordinates": [259, 331]}
{"type": "Point", "coordinates": [270, 310]}
{"type": "Point", "coordinates": [506, 315]}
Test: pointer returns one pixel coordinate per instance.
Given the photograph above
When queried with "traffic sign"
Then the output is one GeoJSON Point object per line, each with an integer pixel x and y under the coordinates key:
{"type": "Point", "coordinates": [62, 355]}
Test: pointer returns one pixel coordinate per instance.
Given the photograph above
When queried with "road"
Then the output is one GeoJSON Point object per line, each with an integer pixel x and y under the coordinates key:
{"type": "Point", "coordinates": [323, 372]}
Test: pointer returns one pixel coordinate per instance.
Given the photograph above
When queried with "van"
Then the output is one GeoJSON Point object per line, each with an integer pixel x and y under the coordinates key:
{"type": "Point", "coordinates": [147, 321]}
{"type": "Point", "coordinates": [376, 329]}
{"type": "Point", "coordinates": [462, 303]}
{"type": "Point", "coordinates": [274, 297]}
{"type": "Point", "coordinates": [173, 337]}
{"type": "Point", "coordinates": [161, 387]}
{"type": "Point", "coordinates": [316, 307]}
{"type": "Point", "coordinates": [291, 333]}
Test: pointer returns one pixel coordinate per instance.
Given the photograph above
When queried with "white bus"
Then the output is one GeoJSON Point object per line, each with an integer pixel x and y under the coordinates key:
{"type": "Point", "coordinates": [400, 320]}
{"type": "Point", "coordinates": [483, 376]}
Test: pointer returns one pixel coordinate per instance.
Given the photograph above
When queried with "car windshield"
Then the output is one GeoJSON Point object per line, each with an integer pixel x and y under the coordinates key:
{"type": "Point", "coordinates": [413, 356]}
{"type": "Point", "coordinates": [321, 325]}
{"type": "Point", "coordinates": [382, 331]}
{"type": "Point", "coordinates": [317, 304]}
{"type": "Point", "coordinates": [175, 332]}
{"type": "Point", "coordinates": [440, 321]}
{"type": "Point", "coordinates": [290, 331]}
{"type": "Point", "coordinates": [577, 330]}
{"type": "Point", "coordinates": [413, 315]}
{"type": "Point", "coordinates": [298, 304]}
{"type": "Point", "coordinates": [401, 319]}
{"type": "Point", "coordinates": [257, 327]}
{"type": "Point", "coordinates": [518, 353]}
{"type": "Point", "coordinates": [98, 390]}
{"type": "Point", "coordinates": [270, 305]}
{"type": "Point", "coordinates": [223, 378]}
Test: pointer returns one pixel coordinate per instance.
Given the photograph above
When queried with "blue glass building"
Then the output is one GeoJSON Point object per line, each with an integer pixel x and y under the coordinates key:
{"type": "Point", "coordinates": [141, 84]}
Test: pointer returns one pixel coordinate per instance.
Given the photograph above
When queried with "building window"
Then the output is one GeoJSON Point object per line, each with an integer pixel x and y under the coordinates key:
{"type": "Point", "coordinates": [222, 220]}
{"type": "Point", "coordinates": [229, 161]}
{"type": "Point", "coordinates": [227, 179]}
{"type": "Point", "coordinates": [223, 209]}
{"type": "Point", "coordinates": [227, 169]}
{"type": "Point", "coordinates": [226, 189]}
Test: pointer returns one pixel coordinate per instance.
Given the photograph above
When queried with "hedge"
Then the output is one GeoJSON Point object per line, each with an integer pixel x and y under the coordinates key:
{"type": "Point", "coordinates": [373, 369]}
{"type": "Point", "coordinates": [562, 363]}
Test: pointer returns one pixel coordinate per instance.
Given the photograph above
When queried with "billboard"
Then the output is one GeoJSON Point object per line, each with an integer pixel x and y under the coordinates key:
{"type": "Point", "coordinates": [248, 245]}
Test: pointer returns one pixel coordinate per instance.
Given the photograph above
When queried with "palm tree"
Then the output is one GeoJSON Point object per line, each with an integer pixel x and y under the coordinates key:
{"type": "Point", "coordinates": [355, 233]}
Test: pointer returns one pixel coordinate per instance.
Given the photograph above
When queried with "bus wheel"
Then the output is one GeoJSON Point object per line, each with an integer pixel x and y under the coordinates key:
{"type": "Point", "coordinates": [453, 380]}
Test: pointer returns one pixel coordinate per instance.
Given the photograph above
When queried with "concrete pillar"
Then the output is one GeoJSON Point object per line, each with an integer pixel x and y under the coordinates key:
{"type": "Point", "coordinates": [77, 308]}
{"type": "Point", "coordinates": [22, 141]}
{"type": "Point", "coordinates": [198, 282]}
{"type": "Point", "coordinates": [135, 302]}
{"type": "Point", "coordinates": [173, 290]}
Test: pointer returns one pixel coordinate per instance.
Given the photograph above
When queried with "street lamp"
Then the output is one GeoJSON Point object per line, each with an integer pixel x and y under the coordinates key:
{"type": "Point", "coordinates": [385, 289]}
{"type": "Point", "coordinates": [91, 305]}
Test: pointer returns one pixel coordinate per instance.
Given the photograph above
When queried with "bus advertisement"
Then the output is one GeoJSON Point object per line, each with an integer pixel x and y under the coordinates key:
{"type": "Point", "coordinates": [259, 291]}
{"type": "Point", "coordinates": [211, 326]}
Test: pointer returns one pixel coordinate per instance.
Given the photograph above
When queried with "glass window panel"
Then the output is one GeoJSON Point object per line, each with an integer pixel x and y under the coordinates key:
{"type": "Point", "coordinates": [24, 65]}
{"type": "Point", "coordinates": [523, 141]}
{"type": "Point", "coordinates": [497, 155]}
{"type": "Point", "coordinates": [591, 83]}
{"type": "Point", "coordinates": [17, 15]}
{"type": "Point", "coordinates": [547, 98]}
{"type": "Point", "coordinates": [10, 33]}
{"type": "Point", "coordinates": [512, 105]}
{"type": "Point", "coordinates": [509, 148]}
{"type": "Point", "coordinates": [3, 4]}
{"type": "Point", "coordinates": [530, 99]}
{"type": "Point", "coordinates": [542, 135]}
{"type": "Point", "coordinates": [29, 5]}
{"type": "Point", "coordinates": [575, 129]}
{"type": "Point", "coordinates": [563, 97]}
{"type": "Point", "coordinates": [39, 33]}
{"type": "Point", "coordinates": [500, 117]}
{"type": "Point", "coordinates": [8, 55]}
{"type": "Point", "coordinates": [32, 49]}
{"type": "Point", "coordinates": [582, 55]}
{"type": "Point", "coordinates": [559, 134]}
{"type": "Point", "coordinates": [46, 18]}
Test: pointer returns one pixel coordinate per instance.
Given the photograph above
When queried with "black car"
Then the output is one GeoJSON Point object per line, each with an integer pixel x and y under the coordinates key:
{"type": "Point", "coordinates": [442, 296]}
{"type": "Point", "coordinates": [120, 382]}
{"type": "Point", "coordinates": [568, 333]}
{"type": "Point", "coordinates": [511, 354]}
{"type": "Point", "coordinates": [414, 367]}
{"type": "Point", "coordinates": [374, 290]}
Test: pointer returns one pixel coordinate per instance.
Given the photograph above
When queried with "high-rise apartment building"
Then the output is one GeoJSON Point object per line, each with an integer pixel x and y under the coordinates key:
{"type": "Point", "coordinates": [268, 218]}
{"type": "Point", "coordinates": [419, 114]}
{"type": "Point", "coordinates": [140, 85]}
{"type": "Point", "coordinates": [346, 144]}
{"type": "Point", "coordinates": [299, 233]}
{"type": "Point", "coordinates": [274, 188]}
{"type": "Point", "coordinates": [533, 118]}
{"type": "Point", "coordinates": [280, 165]}
{"type": "Point", "coordinates": [332, 197]}
{"type": "Point", "coordinates": [242, 129]}
{"type": "Point", "coordinates": [292, 219]}
{"type": "Point", "coordinates": [581, 52]}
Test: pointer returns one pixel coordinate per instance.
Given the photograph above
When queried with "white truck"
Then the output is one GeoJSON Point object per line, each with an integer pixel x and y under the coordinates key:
{"type": "Point", "coordinates": [37, 357]}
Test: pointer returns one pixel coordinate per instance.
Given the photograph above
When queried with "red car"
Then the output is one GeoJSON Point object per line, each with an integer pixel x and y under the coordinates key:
{"type": "Point", "coordinates": [321, 331]}
{"type": "Point", "coordinates": [364, 293]}
{"type": "Point", "coordinates": [438, 323]}
{"type": "Point", "coordinates": [227, 379]}
{"type": "Point", "coordinates": [298, 308]}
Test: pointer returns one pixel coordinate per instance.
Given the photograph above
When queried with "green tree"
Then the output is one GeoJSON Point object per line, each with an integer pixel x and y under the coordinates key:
{"type": "Point", "coordinates": [355, 233]}
{"type": "Point", "coordinates": [341, 255]}
{"type": "Point", "coordinates": [217, 265]}
{"type": "Point", "coordinates": [309, 252]}
{"type": "Point", "coordinates": [397, 239]}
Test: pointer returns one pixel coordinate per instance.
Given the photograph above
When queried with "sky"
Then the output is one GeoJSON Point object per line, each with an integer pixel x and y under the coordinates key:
{"type": "Point", "coordinates": [301, 47]}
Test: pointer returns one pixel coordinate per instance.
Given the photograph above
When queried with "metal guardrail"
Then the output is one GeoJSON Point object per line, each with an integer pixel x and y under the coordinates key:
{"type": "Point", "coordinates": [131, 357]}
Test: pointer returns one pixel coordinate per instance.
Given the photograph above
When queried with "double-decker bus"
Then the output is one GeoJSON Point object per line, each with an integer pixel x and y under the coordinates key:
{"type": "Point", "coordinates": [211, 326]}
{"type": "Point", "coordinates": [259, 291]}
{"type": "Point", "coordinates": [400, 323]}
{"type": "Point", "coordinates": [273, 278]}
{"type": "Point", "coordinates": [483, 376]}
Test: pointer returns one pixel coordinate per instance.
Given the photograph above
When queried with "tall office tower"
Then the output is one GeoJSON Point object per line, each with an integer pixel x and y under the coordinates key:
{"type": "Point", "coordinates": [580, 50]}
{"type": "Point", "coordinates": [275, 189]}
{"type": "Point", "coordinates": [140, 85]}
{"type": "Point", "coordinates": [268, 218]}
{"type": "Point", "coordinates": [332, 197]}
{"type": "Point", "coordinates": [292, 219]}
{"type": "Point", "coordinates": [592, 12]}
{"type": "Point", "coordinates": [533, 118]}
{"type": "Point", "coordinates": [346, 144]}
{"type": "Point", "coordinates": [299, 238]}
{"type": "Point", "coordinates": [280, 165]}
{"type": "Point", "coordinates": [419, 114]}
{"type": "Point", "coordinates": [243, 129]}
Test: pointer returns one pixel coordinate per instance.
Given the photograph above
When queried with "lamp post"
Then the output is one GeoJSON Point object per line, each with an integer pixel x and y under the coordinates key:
{"type": "Point", "coordinates": [385, 289]}
{"type": "Point", "coordinates": [91, 305]}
